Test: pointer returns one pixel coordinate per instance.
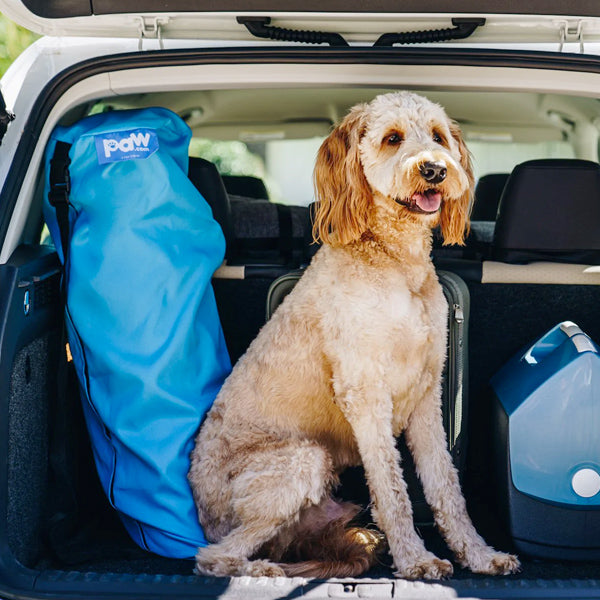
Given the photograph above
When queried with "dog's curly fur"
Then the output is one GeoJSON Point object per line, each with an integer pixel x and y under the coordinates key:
{"type": "Point", "coordinates": [351, 359]}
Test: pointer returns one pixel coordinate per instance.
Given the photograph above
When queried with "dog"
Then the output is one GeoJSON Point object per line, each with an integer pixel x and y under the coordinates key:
{"type": "Point", "coordinates": [351, 359]}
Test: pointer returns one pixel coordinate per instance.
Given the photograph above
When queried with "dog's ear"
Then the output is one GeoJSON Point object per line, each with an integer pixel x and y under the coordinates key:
{"type": "Point", "coordinates": [454, 218]}
{"type": "Point", "coordinates": [342, 191]}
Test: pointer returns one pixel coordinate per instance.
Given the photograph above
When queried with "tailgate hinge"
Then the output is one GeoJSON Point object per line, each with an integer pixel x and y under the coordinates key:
{"type": "Point", "coordinates": [571, 31]}
{"type": "Point", "coordinates": [151, 28]}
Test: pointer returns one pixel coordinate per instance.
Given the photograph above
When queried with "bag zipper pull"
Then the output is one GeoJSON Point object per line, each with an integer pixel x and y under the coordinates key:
{"type": "Point", "coordinates": [459, 315]}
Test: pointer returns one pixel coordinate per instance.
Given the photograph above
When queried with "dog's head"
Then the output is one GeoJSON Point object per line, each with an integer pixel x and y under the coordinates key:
{"type": "Point", "coordinates": [398, 156]}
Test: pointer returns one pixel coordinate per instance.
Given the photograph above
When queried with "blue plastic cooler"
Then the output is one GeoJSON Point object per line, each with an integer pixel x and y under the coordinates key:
{"type": "Point", "coordinates": [547, 430]}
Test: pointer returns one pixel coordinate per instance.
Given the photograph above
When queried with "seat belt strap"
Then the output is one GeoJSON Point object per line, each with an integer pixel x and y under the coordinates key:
{"type": "Point", "coordinates": [58, 196]}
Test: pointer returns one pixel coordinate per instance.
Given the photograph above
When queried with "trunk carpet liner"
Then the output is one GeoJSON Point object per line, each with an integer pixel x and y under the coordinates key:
{"type": "Point", "coordinates": [104, 547]}
{"type": "Point", "coordinates": [98, 542]}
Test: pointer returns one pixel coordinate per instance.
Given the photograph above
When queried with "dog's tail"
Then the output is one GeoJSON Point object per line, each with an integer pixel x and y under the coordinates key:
{"type": "Point", "coordinates": [333, 548]}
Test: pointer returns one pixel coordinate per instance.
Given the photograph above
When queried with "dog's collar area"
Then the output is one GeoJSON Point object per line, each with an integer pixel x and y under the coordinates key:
{"type": "Point", "coordinates": [427, 202]}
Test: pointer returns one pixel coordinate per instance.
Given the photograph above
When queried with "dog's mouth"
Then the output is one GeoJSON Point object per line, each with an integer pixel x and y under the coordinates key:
{"type": "Point", "coordinates": [427, 202]}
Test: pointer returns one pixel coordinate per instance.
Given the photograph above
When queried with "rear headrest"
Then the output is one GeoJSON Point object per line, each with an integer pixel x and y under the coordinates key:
{"type": "Point", "coordinates": [246, 186]}
{"type": "Point", "coordinates": [207, 180]}
{"type": "Point", "coordinates": [487, 196]}
{"type": "Point", "coordinates": [550, 210]}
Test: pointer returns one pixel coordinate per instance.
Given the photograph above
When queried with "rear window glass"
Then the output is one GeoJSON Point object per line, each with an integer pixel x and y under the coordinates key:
{"type": "Point", "coordinates": [502, 157]}
{"type": "Point", "coordinates": [286, 166]}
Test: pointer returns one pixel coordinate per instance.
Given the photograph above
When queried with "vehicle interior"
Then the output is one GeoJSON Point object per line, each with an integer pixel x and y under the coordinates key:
{"type": "Point", "coordinates": [252, 152]}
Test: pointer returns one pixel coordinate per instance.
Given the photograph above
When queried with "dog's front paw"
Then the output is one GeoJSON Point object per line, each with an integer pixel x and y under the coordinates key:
{"type": "Point", "coordinates": [208, 563]}
{"type": "Point", "coordinates": [431, 567]}
{"type": "Point", "coordinates": [491, 562]}
{"type": "Point", "coordinates": [263, 568]}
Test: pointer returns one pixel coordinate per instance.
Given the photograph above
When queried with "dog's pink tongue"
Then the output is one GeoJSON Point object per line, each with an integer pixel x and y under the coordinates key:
{"type": "Point", "coordinates": [428, 201]}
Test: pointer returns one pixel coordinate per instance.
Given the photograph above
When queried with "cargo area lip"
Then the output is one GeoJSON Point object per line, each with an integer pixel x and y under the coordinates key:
{"type": "Point", "coordinates": [94, 585]}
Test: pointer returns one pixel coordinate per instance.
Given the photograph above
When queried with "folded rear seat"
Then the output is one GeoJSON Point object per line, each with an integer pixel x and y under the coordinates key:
{"type": "Point", "coordinates": [206, 179]}
{"type": "Point", "coordinates": [263, 241]}
{"type": "Point", "coordinates": [488, 192]}
{"type": "Point", "coordinates": [549, 215]}
{"type": "Point", "coordinates": [257, 232]}
{"type": "Point", "coordinates": [268, 233]}
{"type": "Point", "coordinates": [550, 210]}
{"type": "Point", "coordinates": [483, 216]}
{"type": "Point", "coordinates": [246, 186]}
{"type": "Point", "coordinates": [546, 252]}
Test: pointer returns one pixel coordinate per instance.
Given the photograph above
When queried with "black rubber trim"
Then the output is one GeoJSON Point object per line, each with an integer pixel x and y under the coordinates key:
{"type": "Point", "coordinates": [260, 27]}
{"type": "Point", "coordinates": [55, 9]}
{"type": "Point", "coordinates": [462, 28]}
{"type": "Point", "coordinates": [469, 270]}
{"type": "Point", "coordinates": [472, 57]}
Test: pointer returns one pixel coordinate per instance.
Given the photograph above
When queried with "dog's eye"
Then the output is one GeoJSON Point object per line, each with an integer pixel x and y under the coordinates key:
{"type": "Point", "coordinates": [393, 139]}
{"type": "Point", "coordinates": [437, 138]}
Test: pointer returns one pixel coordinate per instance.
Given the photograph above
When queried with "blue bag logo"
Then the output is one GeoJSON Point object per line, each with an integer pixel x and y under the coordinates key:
{"type": "Point", "coordinates": [126, 145]}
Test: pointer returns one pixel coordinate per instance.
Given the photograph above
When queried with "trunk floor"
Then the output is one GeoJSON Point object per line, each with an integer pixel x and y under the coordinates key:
{"type": "Point", "coordinates": [123, 556]}
{"type": "Point", "coordinates": [98, 542]}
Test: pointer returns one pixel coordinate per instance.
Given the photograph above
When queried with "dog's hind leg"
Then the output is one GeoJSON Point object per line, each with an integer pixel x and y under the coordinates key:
{"type": "Point", "coordinates": [324, 544]}
{"type": "Point", "coordinates": [269, 493]}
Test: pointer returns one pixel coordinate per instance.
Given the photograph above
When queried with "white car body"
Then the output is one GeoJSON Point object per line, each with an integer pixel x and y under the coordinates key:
{"type": "Point", "coordinates": [82, 60]}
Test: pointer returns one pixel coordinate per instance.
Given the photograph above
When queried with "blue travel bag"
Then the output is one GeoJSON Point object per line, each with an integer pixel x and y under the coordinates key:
{"type": "Point", "coordinates": [139, 246]}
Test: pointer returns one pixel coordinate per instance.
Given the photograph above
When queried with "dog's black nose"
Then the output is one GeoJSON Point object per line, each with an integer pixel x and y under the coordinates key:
{"type": "Point", "coordinates": [433, 172]}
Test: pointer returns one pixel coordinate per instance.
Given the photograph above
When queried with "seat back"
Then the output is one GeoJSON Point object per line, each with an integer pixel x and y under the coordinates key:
{"type": "Point", "coordinates": [207, 180]}
{"type": "Point", "coordinates": [245, 185]}
{"type": "Point", "coordinates": [487, 196]}
{"type": "Point", "coordinates": [550, 210]}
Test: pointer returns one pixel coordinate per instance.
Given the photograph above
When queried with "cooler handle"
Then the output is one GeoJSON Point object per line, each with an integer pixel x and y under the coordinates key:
{"type": "Point", "coordinates": [555, 337]}
{"type": "Point", "coordinates": [570, 328]}
{"type": "Point", "coordinates": [581, 340]}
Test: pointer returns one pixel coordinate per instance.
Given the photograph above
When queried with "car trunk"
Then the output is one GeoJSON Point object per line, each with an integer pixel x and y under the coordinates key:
{"type": "Point", "coordinates": [60, 536]}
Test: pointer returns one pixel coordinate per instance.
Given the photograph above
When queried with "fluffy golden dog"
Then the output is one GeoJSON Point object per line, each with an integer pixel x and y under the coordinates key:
{"type": "Point", "coordinates": [350, 360]}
